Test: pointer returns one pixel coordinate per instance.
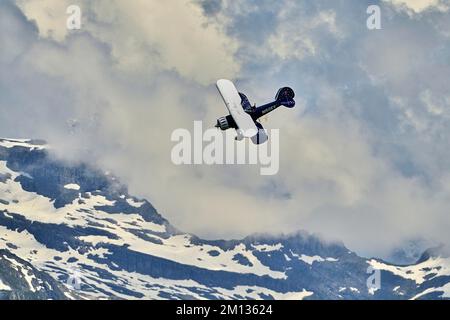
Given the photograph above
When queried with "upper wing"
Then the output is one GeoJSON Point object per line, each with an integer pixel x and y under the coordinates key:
{"type": "Point", "coordinates": [233, 102]}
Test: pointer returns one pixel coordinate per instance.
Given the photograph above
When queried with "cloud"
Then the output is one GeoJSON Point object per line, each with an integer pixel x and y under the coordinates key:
{"type": "Point", "coordinates": [144, 35]}
{"type": "Point", "coordinates": [418, 6]}
{"type": "Point", "coordinates": [296, 37]}
{"type": "Point", "coordinates": [364, 153]}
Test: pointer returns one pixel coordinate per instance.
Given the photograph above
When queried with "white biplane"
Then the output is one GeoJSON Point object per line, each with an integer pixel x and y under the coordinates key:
{"type": "Point", "coordinates": [243, 116]}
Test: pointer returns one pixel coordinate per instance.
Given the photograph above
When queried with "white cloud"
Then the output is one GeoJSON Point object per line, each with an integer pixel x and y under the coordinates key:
{"type": "Point", "coordinates": [418, 6]}
{"type": "Point", "coordinates": [144, 35]}
{"type": "Point", "coordinates": [49, 15]}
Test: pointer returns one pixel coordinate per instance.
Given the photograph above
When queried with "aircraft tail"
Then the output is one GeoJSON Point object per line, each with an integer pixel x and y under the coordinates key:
{"type": "Point", "coordinates": [285, 97]}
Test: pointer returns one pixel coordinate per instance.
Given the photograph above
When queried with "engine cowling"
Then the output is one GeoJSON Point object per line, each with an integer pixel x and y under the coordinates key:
{"type": "Point", "coordinates": [225, 123]}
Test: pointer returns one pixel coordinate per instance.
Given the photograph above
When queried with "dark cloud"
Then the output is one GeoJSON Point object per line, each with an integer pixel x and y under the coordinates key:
{"type": "Point", "coordinates": [211, 7]}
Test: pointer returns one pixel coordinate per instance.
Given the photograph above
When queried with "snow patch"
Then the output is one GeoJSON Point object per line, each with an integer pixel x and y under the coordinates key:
{"type": "Point", "coordinates": [11, 143]}
{"type": "Point", "coordinates": [267, 247]}
{"type": "Point", "coordinates": [352, 289]}
{"type": "Point", "coordinates": [134, 203]}
{"type": "Point", "coordinates": [436, 267]}
{"type": "Point", "coordinates": [72, 186]}
{"type": "Point", "coordinates": [444, 289]}
{"type": "Point", "coordinates": [4, 287]}
{"type": "Point", "coordinates": [258, 293]}
{"type": "Point", "coordinates": [311, 259]}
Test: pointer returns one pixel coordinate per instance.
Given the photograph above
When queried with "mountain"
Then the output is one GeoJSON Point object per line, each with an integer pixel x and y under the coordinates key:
{"type": "Point", "coordinates": [74, 232]}
{"type": "Point", "coordinates": [20, 280]}
{"type": "Point", "coordinates": [410, 251]}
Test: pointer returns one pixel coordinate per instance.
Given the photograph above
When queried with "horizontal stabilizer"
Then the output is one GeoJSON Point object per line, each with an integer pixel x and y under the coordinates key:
{"type": "Point", "coordinates": [285, 97]}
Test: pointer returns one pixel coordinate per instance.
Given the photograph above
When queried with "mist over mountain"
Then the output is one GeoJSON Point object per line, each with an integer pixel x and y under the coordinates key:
{"type": "Point", "coordinates": [74, 232]}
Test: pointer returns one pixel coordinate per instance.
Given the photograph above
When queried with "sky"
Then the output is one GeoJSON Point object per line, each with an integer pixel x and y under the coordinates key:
{"type": "Point", "coordinates": [364, 156]}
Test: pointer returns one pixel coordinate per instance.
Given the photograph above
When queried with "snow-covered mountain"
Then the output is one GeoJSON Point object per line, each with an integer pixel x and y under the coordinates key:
{"type": "Point", "coordinates": [72, 231]}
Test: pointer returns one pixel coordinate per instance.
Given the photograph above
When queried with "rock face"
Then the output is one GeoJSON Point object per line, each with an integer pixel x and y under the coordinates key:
{"type": "Point", "coordinates": [74, 232]}
{"type": "Point", "coordinates": [20, 280]}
